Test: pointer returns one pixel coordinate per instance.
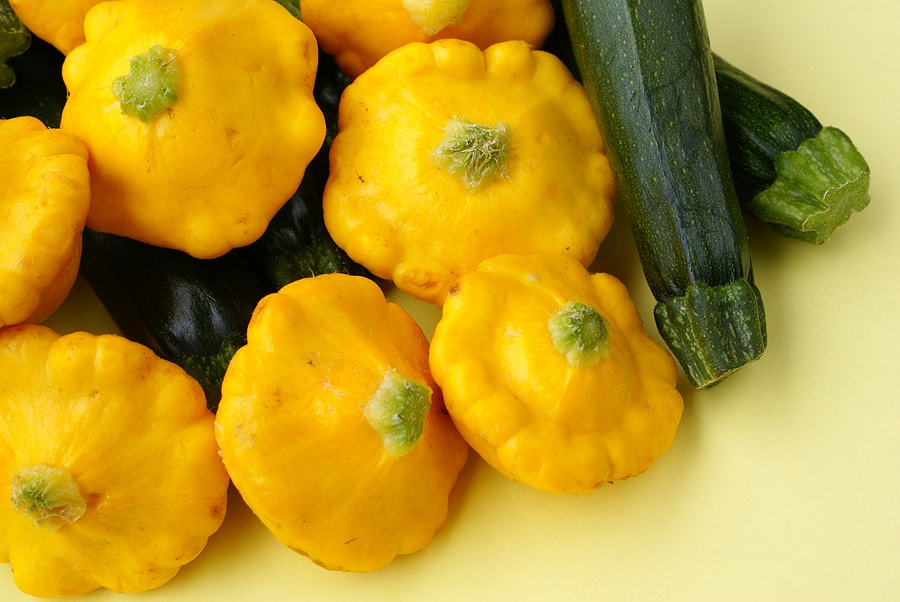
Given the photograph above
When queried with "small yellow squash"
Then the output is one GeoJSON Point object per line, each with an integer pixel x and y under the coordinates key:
{"type": "Point", "coordinates": [549, 375]}
{"type": "Point", "coordinates": [447, 155]}
{"type": "Point", "coordinates": [46, 194]}
{"type": "Point", "coordinates": [199, 118]}
{"type": "Point", "coordinates": [332, 428]}
{"type": "Point", "coordinates": [61, 22]}
{"type": "Point", "coordinates": [108, 464]}
{"type": "Point", "coordinates": [359, 32]}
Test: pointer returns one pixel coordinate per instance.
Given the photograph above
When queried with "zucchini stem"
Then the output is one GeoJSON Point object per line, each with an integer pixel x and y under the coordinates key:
{"type": "Point", "coordinates": [713, 330]}
{"type": "Point", "coordinates": [151, 86]}
{"type": "Point", "coordinates": [817, 188]}
{"type": "Point", "coordinates": [476, 154]}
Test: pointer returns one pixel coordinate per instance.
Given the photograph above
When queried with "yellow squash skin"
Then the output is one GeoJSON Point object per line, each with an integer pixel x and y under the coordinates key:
{"type": "Point", "coordinates": [399, 212]}
{"type": "Point", "coordinates": [358, 32]}
{"type": "Point", "coordinates": [295, 439]}
{"type": "Point", "coordinates": [518, 401]}
{"type": "Point", "coordinates": [134, 434]}
{"type": "Point", "coordinates": [207, 173]}
{"type": "Point", "coordinates": [46, 194]}
{"type": "Point", "coordinates": [61, 22]}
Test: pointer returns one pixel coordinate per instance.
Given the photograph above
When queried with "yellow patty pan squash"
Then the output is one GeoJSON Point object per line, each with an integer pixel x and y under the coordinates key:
{"type": "Point", "coordinates": [198, 116]}
{"type": "Point", "coordinates": [358, 32]}
{"type": "Point", "coordinates": [108, 464]}
{"type": "Point", "coordinates": [549, 375]}
{"type": "Point", "coordinates": [60, 23]}
{"type": "Point", "coordinates": [446, 155]}
{"type": "Point", "coordinates": [46, 195]}
{"type": "Point", "coordinates": [332, 428]}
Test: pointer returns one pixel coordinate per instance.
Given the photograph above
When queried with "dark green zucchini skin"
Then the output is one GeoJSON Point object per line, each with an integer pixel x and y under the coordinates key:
{"type": "Point", "coordinates": [803, 179]}
{"type": "Point", "coordinates": [648, 70]}
{"type": "Point", "coordinates": [193, 312]}
{"type": "Point", "coordinates": [760, 123]}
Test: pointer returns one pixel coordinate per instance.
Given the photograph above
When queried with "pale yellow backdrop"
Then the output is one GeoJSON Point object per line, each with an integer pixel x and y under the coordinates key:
{"type": "Point", "coordinates": [783, 482]}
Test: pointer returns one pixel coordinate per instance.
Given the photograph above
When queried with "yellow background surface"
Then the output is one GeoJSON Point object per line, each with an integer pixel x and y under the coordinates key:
{"type": "Point", "coordinates": [783, 481]}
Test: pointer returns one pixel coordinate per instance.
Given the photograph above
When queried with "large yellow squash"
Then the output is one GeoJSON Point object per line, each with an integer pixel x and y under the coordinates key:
{"type": "Point", "coordinates": [548, 373]}
{"type": "Point", "coordinates": [198, 116]}
{"type": "Point", "coordinates": [108, 464]}
{"type": "Point", "coordinates": [332, 428]}
{"type": "Point", "coordinates": [447, 155]}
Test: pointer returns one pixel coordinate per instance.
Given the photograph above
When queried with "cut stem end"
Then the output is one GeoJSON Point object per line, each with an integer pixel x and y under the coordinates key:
{"type": "Point", "coordinates": [713, 330]}
{"type": "Point", "coordinates": [817, 188]}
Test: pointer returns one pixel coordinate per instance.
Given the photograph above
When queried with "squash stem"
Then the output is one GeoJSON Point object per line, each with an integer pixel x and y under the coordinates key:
{"type": "Point", "coordinates": [151, 87]}
{"type": "Point", "coordinates": [580, 333]}
{"type": "Point", "coordinates": [477, 154]}
{"type": "Point", "coordinates": [713, 330]}
{"type": "Point", "coordinates": [817, 188]}
{"type": "Point", "coordinates": [48, 495]}
{"type": "Point", "coordinates": [432, 16]}
{"type": "Point", "coordinates": [397, 412]}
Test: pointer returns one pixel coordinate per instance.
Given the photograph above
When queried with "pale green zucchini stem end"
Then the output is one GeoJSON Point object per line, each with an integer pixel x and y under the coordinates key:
{"type": "Point", "coordinates": [713, 330]}
{"type": "Point", "coordinates": [817, 188]}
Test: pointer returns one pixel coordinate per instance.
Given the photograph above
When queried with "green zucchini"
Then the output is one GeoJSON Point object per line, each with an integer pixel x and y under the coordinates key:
{"type": "Point", "coordinates": [648, 70]}
{"type": "Point", "coordinates": [193, 312]}
{"type": "Point", "coordinates": [803, 179]}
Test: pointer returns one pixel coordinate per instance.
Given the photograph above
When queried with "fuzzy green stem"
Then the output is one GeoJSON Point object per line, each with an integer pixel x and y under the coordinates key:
{"type": "Point", "coordinates": [580, 333]}
{"type": "Point", "coordinates": [432, 16]}
{"type": "Point", "coordinates": [817, 188]}
{"type": "Point", "coordinates": [48, 495]}
{"type": "Point", "coordinates": [476, 154]}
{"type": "Point", "coordinates": [713, 330]}
{"type": "Point", "coordinates": [397, 412]}
{"type": "Point", "coordinates": [151, 87]}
